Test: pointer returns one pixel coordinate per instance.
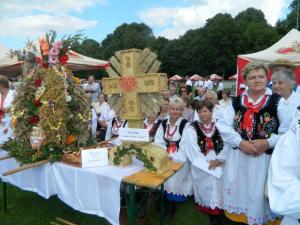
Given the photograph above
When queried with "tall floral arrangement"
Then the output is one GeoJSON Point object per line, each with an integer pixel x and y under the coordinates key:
{"type": "Point", "coordinates": [51, 112]}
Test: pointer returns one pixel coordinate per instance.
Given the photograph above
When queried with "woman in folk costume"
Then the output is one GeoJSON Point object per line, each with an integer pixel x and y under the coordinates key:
{"type": "Point", "coordinates": [6, 99]}
{"type": "Point", "coordinates": [251, 126]}
{"type": "Point", "coordinates": [101, 107]}
{"type": "Point", "coordinates": [202, 140]}
{"type": "Point", "coordinates": [151, 123]}
{"type": "Point", "coordinates": [283, 82]}
{"type": "Point", "coordinates": [284, 176]}
{"type": "Point", "coordinates": [168, 135]}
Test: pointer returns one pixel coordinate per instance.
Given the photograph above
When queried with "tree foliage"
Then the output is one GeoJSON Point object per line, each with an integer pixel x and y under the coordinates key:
{"type": "Point", "coordinates": [212, 48]}
{"type": "Point", "coordinates": [290, 22]}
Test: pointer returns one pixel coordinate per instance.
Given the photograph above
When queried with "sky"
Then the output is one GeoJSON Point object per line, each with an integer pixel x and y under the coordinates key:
{"type": "Point", "coordinates": [27, 20]}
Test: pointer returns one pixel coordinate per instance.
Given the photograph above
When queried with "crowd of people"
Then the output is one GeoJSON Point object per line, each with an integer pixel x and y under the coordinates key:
{"type": "Point", "coordinates": [236, 134]}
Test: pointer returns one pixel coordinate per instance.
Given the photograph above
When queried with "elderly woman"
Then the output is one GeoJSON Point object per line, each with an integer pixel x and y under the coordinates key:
{"type": "Point", "coordinates": [6, 99]}
{"type": "Point", "coordinates": [251, 126]}
{"type": "Point", "coordinates": [283, 82]}
{"type": "Point", "coordinates": [226, 99]}
{"type": "Point", "coordinates": [168, 135]}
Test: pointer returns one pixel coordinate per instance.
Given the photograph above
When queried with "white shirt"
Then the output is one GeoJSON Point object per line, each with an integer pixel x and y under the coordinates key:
{"type": "Point", "coordinates": [189, 82]}
{"type": "Point", "coordinates": [298, 89]}
{"type": "Point", "coordinates": [208, 85]}
{"type": "Point", "coordinates": [95, 88]}
{"type": "Point", "coordinates": [107, 117]}
{"type": "Point", "coordinates": [233, 138]}
{"type": "Point", "coordinates": [199, 98]}
{"type": "Point", "coordinates": [6, 130]}
{"type": "Point", "coordinates": [289, 108]}
{"type": "Point", "coordinates": [220, 87]}
{"type": "Point", "coordinates": [284, 175]}
{"type": "Point", "coordinates": [224, 103]}
{"type": "Point", "coordinates": [199, 83]}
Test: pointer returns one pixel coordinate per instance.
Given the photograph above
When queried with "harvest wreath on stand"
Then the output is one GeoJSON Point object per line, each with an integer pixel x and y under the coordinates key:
{"type": "Point", "coordinates": [50, 112]}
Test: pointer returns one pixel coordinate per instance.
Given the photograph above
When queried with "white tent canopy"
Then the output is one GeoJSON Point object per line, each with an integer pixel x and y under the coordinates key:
{"type": "Point", "coordinates": [8, 66]}
{"type": "Point", "coordinates": [80, 62]}
{"type": "Point", "coordinates": [12, 67]}
{"type": "Point", "coordinates": [287, 47]}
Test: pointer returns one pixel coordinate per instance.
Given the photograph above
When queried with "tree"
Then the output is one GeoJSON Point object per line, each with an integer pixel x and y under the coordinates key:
{"type": "Point", "coordinates": [221, 37]}
{"type": "Point", "coordinates": [290, 22]}
{"type": "Point", "coordinates": [127, 36]}
{"type": "Point", "coordinates": [251, 15]}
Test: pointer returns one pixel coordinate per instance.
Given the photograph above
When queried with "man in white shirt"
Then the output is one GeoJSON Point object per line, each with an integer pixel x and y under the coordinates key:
{"type": "Point", "coordinates": [188, 81]}
{"type": "Point", "coordinates": [220, 86]}
{"type": "Point", "coordinates": [200, 92]}
{"type": "Point", "coordinates": [92, 88]}
{"type": "Point", "coordinates": [199, 83]}
{"type": "Point", "coordinates": [220, 89]}
{"type": "Point", "coordinates": [208, 84]}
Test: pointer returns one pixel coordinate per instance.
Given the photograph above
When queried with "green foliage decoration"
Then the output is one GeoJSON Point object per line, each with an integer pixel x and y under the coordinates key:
{"type": "Point", "coordinates": [133, 150]}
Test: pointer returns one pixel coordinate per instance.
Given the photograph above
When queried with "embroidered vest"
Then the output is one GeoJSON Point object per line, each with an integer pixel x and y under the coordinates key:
{"type": "Point", "coordinates": [181, 127]}
{"type": "Point", "coordinates": [265, 122]}
{"type": "Point", "coordinates": [113, 123]}
{"type": "Point", "coordinates": [154, 128]}
{"type": "Point", "coordinates": [216, 138]}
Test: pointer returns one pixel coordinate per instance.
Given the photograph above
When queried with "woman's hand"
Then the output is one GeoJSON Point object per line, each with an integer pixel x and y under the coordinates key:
{"type": "Point", "coordinates": [248, 148]}
{"type": "Point", "coordinates": [213, 164]}
{"type": "Point", "coordinates": [261, 145]}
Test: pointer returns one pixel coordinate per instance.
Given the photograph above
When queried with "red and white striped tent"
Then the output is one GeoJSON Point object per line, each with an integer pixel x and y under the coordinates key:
{"type": "Point", "coordinates": [195, 77]}
{"type": "Point", "coordinates": [9, 66]}
{"type": "Point", "coordinates": [176, 78]}
{"type": "Point", "coordinates": [233, 77]}
{"type": "Point", "coordinates": [215, 77]}
{"type": "Point", "coordinates": [80, 62]}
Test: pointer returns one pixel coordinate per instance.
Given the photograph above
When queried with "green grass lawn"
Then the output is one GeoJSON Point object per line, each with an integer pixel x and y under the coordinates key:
{"type": "Point", "coordinates": [27, 208]}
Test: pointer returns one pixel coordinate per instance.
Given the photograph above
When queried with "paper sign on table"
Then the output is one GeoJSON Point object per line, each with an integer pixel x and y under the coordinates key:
{"type": "Point", "coordinates": [203, 165]}
{"type": "Point", "coordinates": [94, 157]}
{"type": "Point", "coordinates": [133, 134]}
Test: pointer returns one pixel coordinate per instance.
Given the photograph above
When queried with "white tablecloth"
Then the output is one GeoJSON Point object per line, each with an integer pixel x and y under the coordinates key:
{"type": "Point", "coordinates": [93, 190]}
{"type": "Point", "coordinates": [39, 179]}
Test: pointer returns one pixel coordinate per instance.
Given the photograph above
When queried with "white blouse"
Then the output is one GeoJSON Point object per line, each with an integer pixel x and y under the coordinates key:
{"type": "Point", "coordinates": [6, 130]}
{"type": "Point", "coordinates": [284, 175]}
{"type": "Point", "coordinates": [289, 108]}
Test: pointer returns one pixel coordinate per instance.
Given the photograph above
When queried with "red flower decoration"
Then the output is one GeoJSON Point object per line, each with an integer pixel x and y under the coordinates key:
{"type": "Point", "coordinates": [34, 120]}
{"type": "Point", "coordinates": [37, 102]}
{"type": "Point", "coordinates": [38, 82]}
{"type": "Point", "coordinates": [1, 114]}
{"type": "Point", "coordinates": [38, 60]}
{"type": "Point", "coordinates": [44, 64]}
{"type": "Point", "coordinates": [63, 59]}
{"type": "Point", "coordinates": [286, 50]}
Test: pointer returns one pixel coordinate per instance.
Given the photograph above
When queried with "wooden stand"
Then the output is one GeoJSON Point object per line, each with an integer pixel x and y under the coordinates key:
{"type": "Point", "coordinates": [25, 167]}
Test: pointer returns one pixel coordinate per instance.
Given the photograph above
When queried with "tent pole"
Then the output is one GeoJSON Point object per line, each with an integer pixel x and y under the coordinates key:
{"type": "Point", "coordinates": [297, 15]}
